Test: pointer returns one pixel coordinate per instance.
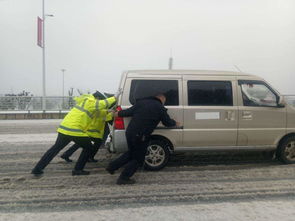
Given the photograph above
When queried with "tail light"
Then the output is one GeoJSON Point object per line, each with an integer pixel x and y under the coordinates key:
{"type": "Point", "coordinates": [119, 121]}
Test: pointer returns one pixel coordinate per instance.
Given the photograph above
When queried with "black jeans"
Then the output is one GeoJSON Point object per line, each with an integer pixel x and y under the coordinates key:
{"type": "Point", "coordinates": [134, 157]}
{"type": "Point", "coordinates": [62, 141]}
{"type": "Point", "coordinates": [96, 145]}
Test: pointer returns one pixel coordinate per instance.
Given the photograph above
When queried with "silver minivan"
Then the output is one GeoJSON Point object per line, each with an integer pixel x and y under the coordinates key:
{"type": "Point", "coordinates": [218, 110]}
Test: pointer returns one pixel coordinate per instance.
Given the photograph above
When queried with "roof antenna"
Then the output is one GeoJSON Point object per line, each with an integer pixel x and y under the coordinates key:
{"type": "Point", "coordinates": [170, 65]}
{"type": "Point", "coordinates": [238, 68]}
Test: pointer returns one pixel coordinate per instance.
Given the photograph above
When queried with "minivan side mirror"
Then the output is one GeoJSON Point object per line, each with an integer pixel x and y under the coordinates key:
{"type": "Point", "coordinates": [281, 102]}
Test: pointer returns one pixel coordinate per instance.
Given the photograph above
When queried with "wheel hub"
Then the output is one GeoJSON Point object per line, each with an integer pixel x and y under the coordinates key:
{"type": "Point", "coordinates": [290, 151]}
{"type": "Point", "coordinates": [155, 155]}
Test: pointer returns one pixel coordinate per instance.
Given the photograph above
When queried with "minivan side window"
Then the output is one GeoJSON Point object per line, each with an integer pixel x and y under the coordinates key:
{"type": "Point", "coordinates": [148, 88]}
{"type": "Point", "coordinates": [210, 93]}
{"type": "Point", "coordinates": [257, 93]}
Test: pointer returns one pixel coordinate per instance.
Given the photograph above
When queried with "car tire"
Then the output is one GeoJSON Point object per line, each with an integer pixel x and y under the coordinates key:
{"type": "Point", "coordinates": [286, 150]}
{"type": "Point", "coordinates": [157, 155]}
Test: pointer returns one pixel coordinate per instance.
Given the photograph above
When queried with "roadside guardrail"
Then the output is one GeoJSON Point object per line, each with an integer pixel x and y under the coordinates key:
{"type": "Point", "coordinates": [34, 103]}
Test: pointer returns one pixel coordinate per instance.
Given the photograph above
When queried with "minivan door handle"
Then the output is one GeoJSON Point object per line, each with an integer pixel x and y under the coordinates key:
{"type": "Point", "coordinates": [247, 115]}
{"type": "Point", "coordinates": [230, 115]}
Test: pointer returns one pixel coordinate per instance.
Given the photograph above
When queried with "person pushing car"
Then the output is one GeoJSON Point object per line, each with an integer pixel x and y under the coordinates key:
{"type": "Point", "coordinates": [74, 128]}
{"type": "Point", "coordinates": [97, 131]}
{"type": "Point", "coordinates": [146, 114]}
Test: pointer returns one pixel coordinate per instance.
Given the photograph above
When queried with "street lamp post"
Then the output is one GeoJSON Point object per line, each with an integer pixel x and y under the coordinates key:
{"type": "Point", "coordinates": [43, 57]}
{"type": "Point", "coordinates": [63, 86]}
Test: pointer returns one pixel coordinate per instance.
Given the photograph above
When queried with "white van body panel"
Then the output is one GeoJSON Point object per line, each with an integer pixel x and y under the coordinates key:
{"type": "Point", "coordinates": [235, 127]}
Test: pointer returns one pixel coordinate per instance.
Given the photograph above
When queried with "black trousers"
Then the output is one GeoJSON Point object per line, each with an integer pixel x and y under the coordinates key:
{"type": "Point", "coordinates": [134, 157]}
{"type": "Point", "coordinates": [96, 145]}
{"type": "Point", "coordinates": [62, 141]}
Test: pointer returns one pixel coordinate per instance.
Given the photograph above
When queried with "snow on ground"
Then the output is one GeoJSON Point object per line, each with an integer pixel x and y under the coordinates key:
{"type": "Point", "coordinates": [223, 189]}
{"type": "Point", "coordinates": [30, 121]}
{"type": "Point", "coordinates": [29, 126]}
{"type": "Point", "coordinates": [242, 211]}
{"type": "Point", "coordinates": [14, 139]}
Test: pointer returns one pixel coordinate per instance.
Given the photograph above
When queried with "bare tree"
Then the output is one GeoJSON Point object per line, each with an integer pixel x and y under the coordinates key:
{"type": "Point", "coordinates": [20, 101]}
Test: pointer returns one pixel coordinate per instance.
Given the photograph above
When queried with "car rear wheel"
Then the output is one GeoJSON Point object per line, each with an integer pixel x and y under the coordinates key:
{"type": "Point", "coordinates": [157, 155]}
{"type": "Point", "coordinates": [286, 150]}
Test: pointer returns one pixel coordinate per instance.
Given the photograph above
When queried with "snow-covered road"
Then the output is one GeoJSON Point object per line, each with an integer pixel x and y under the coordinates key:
{"type": "Point", "coordinates": [248, 186]}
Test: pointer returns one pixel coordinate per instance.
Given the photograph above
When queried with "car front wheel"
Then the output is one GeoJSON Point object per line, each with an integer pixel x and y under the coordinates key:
{"type": "Point", "coordinates": [286, 150]}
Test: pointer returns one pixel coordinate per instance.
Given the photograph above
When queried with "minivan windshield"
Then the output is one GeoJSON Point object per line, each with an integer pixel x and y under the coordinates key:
{"type": "Point", "coordinates": [257, 94]}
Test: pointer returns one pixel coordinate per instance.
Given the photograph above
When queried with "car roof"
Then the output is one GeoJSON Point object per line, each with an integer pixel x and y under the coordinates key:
{"type": "Point", "coordinates": [190, 72]}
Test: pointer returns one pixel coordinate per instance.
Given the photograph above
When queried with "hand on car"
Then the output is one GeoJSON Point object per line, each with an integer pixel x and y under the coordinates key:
{"type": "Point", "coordinates": [115, 113]}
{"type": "Point", "coordinates": [178, 124]}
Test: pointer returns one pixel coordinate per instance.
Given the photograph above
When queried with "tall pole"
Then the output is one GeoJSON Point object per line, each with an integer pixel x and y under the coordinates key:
{"type": "Point", "coordinates": [63, 86]}
{"type": "Point", "coordinates": [43, 59]}
{"type": "Point", "coordinates": [63, 81]}
{"type": "Point", "coordinates": [170, 63]}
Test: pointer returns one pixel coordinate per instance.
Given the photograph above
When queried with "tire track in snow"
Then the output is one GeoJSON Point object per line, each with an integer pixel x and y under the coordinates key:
{"type": "Point", "coordinates": [188, 178]}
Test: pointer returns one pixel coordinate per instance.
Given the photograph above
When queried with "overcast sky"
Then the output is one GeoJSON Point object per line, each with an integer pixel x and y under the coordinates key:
{"type": "Point", "coordinates": [95, 40]}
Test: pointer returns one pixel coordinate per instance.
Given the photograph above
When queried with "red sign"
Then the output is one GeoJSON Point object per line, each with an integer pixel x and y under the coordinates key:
{"type": "Point", "coordinates": [40, 32]}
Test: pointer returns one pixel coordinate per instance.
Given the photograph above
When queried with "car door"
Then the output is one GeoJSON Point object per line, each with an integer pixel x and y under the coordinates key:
{"type": "Point", "coordinates": [148, 86]}
{"type": "Point", "coordinates": [261, 121]}
{"type": "Point", "coordinates": [210, 111]}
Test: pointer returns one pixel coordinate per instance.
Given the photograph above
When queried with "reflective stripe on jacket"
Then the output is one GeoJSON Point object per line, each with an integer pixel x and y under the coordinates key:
{"type": "Point", "coordinates": [79, 119]}
{"type": "Point", "coordinates": [96, 128]}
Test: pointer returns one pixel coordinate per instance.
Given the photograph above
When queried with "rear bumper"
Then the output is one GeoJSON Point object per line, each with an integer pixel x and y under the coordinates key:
{"type": "Point", "coordinates": [117, 142]}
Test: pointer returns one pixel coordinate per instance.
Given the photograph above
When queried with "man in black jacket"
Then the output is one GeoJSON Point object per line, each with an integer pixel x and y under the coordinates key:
{"type": "Point", "coordinates": [146, 115]}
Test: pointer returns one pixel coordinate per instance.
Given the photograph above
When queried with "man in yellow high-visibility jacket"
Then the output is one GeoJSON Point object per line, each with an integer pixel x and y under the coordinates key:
{"type": "Point", "coordinates": [74, 128]}
{"type": "Point", "coordinates": [96, 132]}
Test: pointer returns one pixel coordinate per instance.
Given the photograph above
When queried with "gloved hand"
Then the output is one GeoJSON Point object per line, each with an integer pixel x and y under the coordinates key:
{"type": "Point", "coordinates": [117, 94]}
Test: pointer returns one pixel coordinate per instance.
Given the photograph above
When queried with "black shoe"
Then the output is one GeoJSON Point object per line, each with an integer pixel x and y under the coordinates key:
{"type": "Point", "coordinates": [37, 173]}
{"type": "Point", "coordinates": [110, 171]}
{"type": "Point", "coordinates": [125, 181]}
{"type": "Point", "coordinates": [80, 172]}
{"type": "Point", "coordinates": [92, 160]}
{"type": "Point", "coordinates": [66, 159]}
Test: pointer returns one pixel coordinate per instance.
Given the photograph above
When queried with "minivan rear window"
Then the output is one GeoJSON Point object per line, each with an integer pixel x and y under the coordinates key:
{"type": "Point", "coordinates": [147, 88]}
{"type": "Point", "coordinates": [210, 93]}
